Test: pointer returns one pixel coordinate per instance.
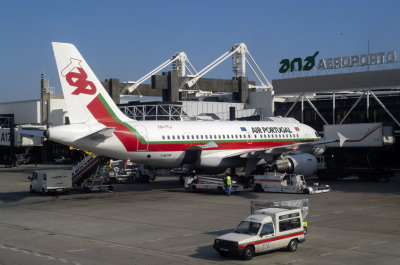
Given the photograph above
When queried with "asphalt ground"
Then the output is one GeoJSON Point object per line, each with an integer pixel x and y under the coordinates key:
{"type": "Point", "coordinates": [160, 223]}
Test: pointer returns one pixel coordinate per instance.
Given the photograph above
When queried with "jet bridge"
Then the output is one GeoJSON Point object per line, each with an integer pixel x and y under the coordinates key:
{"type": "Point", "coordinates": [185, 82]}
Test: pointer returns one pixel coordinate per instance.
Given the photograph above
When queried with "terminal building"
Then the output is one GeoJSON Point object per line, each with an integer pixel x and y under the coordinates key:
{"type": "Point", "coordinates": [343, 90]}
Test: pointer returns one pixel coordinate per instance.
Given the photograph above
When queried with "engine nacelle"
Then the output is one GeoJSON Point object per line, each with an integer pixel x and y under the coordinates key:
{"type": "Point", "coordinates": [301, 164]}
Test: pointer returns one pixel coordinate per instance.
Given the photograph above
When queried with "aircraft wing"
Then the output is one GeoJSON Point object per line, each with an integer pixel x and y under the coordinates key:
{"type": "Point", "coordinates": [260, 152]}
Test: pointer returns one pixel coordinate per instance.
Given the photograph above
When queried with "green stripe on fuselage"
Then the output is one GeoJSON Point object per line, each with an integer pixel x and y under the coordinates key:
{"type": "Point", "coordinates": [108, 108]}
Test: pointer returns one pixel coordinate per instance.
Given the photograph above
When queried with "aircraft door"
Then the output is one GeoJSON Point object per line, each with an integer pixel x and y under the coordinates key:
{"type": "Point", "coordinates": [248, 137]}
{"type": "Point", "coordinates": [143, 140]}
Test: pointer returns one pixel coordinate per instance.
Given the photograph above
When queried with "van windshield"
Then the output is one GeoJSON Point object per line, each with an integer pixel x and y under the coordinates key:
{"type": "Point", "coordinates": [246, 227]}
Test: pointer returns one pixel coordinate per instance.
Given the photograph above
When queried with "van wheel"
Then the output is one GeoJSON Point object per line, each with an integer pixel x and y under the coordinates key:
{"type": "Point", "coordinates": [248, 253]}
{"type": "Point", "coordinates": [223, 254]}
{"type": "Point", "coordinates": [31, 189]}
{"type": "Point", "coordinates": [292, 247]}
{"type": "Point", "coordinates": [258, 188]}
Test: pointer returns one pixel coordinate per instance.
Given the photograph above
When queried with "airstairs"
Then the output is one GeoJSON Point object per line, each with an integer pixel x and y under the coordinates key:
{"type": "Point", "coordinates": [84, 169]}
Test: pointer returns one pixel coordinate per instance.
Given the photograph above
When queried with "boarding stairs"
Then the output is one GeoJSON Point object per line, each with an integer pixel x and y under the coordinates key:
{"type": "Point", "coordinates": [83, 169]}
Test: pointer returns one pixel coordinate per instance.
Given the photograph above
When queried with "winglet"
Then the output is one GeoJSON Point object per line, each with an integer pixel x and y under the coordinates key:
{"type": "Point", "coordinates": [342, 139]}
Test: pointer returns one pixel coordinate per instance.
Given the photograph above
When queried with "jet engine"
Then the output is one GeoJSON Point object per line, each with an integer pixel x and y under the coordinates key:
{"type": "Point", "coordinates": [301, 164]}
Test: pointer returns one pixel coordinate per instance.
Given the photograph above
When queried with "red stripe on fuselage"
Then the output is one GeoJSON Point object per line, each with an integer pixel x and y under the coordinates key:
{"type": "Point", "coordinates": [170, 147]}
{"type": "Point", "coordinates": [101, 114]}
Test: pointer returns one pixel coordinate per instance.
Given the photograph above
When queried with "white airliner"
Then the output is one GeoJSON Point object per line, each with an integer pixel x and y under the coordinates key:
{"type": "Point", "coordinates": [97, 125]}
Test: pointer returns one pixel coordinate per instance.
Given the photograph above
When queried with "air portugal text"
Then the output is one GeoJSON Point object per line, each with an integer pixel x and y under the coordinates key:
{"type": "Point", "coordinates": [271, 130]}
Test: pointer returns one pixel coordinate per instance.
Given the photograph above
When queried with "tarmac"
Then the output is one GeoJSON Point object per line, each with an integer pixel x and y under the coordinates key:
{"type": "Point", "coordinates": [160, 223]}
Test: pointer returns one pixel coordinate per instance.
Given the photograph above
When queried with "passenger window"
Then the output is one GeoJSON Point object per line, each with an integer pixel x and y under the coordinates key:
{"type": "Point", "coordinates": [289, 224]}
{"type": "Point", "coordinates": [178, 137]}
{"type": "Point", "coordinates": [168, 137]}
{"type": "Point", "coordinates": [267, 229]}
{"type": "Point", "coordinates": [173, 137]}
{"type": "Point", "coordinates": [223, 136]}
{"type": "Point", "coordinates": [192, 136]}
{"type": "Point", "coordinates": [197, 137]}
{"type": "Point", "coordinates": [163, 137]}
{"type": "Point", "coordinates": [240, 136]}
{"type": "Point", "coordinates": [201, 136]}
{"type": "Point", "coordinates": [255, 136]}
{"type": "Point", "coordinates": [206, 136]}
{"type": "Point", "coordinates": [227, 136]}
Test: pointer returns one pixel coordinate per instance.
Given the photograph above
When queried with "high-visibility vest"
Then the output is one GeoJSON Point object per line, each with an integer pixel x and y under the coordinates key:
{"type": "Point", "coordinates": [228, 181]}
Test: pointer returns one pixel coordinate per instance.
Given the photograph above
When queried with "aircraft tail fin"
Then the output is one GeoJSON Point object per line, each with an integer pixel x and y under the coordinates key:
{"type": "Point", "coordinates": [86, 99]}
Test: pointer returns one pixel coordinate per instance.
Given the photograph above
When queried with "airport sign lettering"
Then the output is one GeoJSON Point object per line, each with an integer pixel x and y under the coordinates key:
{"type": "Point", "coordinates": [5, 137]}
{"type": "Point", "coordinates": [309, 64]}
{"type": "Point", "coordinates": [297, 64]}
{"type": "Point", "coordinates": [357, 60]}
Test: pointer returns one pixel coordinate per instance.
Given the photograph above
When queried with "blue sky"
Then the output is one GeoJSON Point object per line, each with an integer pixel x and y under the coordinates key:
{"type": "Point", "coordinates": [126, 39]}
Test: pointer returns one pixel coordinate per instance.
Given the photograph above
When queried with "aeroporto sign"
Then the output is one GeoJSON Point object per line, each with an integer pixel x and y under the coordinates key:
{"type": "Point", "coordinates": [339, 62]}
{"type": "Point", "coordinates": [357, 60]}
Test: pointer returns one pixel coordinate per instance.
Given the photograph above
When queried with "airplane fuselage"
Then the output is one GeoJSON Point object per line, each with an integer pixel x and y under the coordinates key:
{"type": "Point", "coordinates": [165, 143]}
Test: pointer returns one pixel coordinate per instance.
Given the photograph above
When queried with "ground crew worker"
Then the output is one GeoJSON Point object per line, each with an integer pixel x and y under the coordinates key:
{"type": "Point", "coordinates": [227, 184]}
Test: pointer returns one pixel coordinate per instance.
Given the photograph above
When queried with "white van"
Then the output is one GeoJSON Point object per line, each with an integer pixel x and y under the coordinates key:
{"type": "Point", "coordinates": [264, 230]}
{"type": "Point", "coordinates": [55, 180]}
